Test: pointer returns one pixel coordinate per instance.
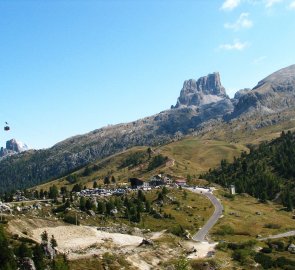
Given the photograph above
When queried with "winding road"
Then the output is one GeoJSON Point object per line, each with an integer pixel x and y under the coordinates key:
{"type": "Point", "coordinates": [201, 234]}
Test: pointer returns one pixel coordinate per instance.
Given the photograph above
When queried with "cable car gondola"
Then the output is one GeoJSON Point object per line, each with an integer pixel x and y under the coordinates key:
{"type": "Point", "coordinates": [6, 127]}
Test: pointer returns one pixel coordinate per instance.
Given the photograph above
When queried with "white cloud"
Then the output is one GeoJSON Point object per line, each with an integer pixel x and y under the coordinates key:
{"type": "Point", "coordinates": [242, 22]}
{"type": "Point", "coordinates": [230, 4]}
{"type": "Point", "coordinates": [292, 5]}
{"type": "Point", "coordinates": [236, 45]}
{"type": "Point", "coordinates": [270, 3]}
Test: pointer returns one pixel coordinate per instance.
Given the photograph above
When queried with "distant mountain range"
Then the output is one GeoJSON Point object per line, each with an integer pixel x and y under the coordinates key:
{"type": "Point", "coordinates": [201, 102]}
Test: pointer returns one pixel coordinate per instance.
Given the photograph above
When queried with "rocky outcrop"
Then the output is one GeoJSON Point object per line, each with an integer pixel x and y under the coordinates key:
{"type": "Point", "coordinates": [204, 91]}
{"type": "Point", "coordinates": [13, 147]}
{"type": "Point", "coordinates": [241, 93]}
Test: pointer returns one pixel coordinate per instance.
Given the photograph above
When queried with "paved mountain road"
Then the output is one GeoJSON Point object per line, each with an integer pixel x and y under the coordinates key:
{"type": "Point", "coordinates": [201, 234]}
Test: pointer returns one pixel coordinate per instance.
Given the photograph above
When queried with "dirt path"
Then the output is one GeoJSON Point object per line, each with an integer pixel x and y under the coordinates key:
{"type": "Point", "coordinates": [280, 235]}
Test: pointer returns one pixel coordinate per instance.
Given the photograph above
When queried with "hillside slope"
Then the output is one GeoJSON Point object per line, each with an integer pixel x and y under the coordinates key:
{"type": "Point", "coordinates": [263, 173]}
{"type": "Point", "coordinates": [190, 156]}
{"type": "Point", "coordinates": [202, 105]}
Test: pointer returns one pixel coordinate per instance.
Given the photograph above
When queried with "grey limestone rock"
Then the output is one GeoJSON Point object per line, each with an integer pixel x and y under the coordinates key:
{"type": "Point", "coordinates": [13, 147]}
{"type": "Point", "coordinates": [206, 90]}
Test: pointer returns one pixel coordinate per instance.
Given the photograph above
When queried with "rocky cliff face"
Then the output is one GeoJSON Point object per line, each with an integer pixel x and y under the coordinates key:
{"type": "Point", "coordinates": [13, 147]}
{"type": "Point", "coordinates": [201, 101]}
{"type": "Point", "coordinates": [204, 91]}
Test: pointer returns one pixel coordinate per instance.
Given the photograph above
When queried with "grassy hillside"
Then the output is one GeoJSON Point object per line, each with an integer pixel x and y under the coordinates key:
{"type": "Point", "coordinates": [245, 219]}
{"type": "Point", "coordinates": [264, 172]}
{"type": "Point", "coordinates": [194, 156]}
{"type": "Point", "coordinates": [190, 156]}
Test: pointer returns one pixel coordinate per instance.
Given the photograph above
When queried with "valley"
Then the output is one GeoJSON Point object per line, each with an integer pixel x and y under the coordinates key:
{"type": "Point", "coordinates": [156, 193]}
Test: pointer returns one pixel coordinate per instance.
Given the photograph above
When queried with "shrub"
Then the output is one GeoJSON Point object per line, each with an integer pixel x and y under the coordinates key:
{"type": "Point", "coordinates": [272, 226]}
{"type": "Point", "coordinates": [71, 219]}
{"type": "Point", "coordinates": [108, 258]}
{"type": "Point", "coordinates": [229, 196]}
{"type": "Point", "coordinates": [222, 246]}
{"type": "Point", "coordinates": [264, 260]}
{"type": "Point", "coordinates": [157, 161]}
{"type": "Point", "coordinates": [280, 245]}
{"type": "Point", "coordinates": [225, 230]}
{"type": "Point", "coordinates": [177, 230]}
{"type": "Point", "coordinates": [242, 255]}
{"type": "Point", "coordinates": [72, 178]}
{"type": "Point", "coordinates": [266, 250]}
{"type": "Point", "coordinates": [282, 262]}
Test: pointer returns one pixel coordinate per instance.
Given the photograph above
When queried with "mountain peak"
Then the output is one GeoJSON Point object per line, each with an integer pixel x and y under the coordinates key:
{"type": "Point", "coordinates": [205, 90]}
{"type": "Point", "coordinates": [283, 79]}
{"type": "Point", "coordinates": [13, 147]}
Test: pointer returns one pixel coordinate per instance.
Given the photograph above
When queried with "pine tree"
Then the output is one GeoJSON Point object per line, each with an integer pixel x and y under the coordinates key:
{"type": "Point", "coordinates": [53, 242]}
{"type": "Point", "coordinates": [106, 180]}
{"type": "Point", "coordinates": [23, 251]}
{"type": "Point", "coordinates": [44, 237]}
{"type": "Point", "coordinates": [82, 203]}
{"type": "Point", "coordinates": [113, 179]}
{"type": "Point", "coordinates": [149, 151]}
{"type": "Point", "coordinates": [6, 255]}
{"type": "Point", "coordinates": [38, 257]}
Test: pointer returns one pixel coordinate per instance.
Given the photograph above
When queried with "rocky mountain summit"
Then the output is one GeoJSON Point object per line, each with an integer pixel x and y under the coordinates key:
{"type": "Point", "coordinates": [13, 147]}
{"type": "Point", "coordinates": [206, 90]}
{"type": "Point", "coordinates": [273, 94]}
{"type": "Point", "coordinates": [201, 102]}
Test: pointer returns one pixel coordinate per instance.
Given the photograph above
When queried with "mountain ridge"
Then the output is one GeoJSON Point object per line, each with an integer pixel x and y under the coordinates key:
{"type": "Point", "coordinates": [196, 108]}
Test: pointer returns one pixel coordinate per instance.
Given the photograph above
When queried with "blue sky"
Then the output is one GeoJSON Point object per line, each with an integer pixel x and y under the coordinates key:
{"type": "Point", "coordinates": [69, 67]}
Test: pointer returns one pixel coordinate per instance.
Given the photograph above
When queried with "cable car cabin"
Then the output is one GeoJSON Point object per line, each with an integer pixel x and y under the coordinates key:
{"type": "Point", "coordinates": [6, 128]}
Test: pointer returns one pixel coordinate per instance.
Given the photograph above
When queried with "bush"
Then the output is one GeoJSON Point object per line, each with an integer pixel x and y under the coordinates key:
{"type": "Point", "coordinates": [71, 219]}
{"type": "Point", "coordinates": [133, 160]}
{"type": "Point", "coordinates": [272, 226]}
{"type": "Point", "coordinates": [282, 262]}
{"type": "Point", "coordinates": [177, 230]}
{"type": "Point", "coordinates": [225, 230]}
{"type": "Point", "coordinates": [229, 196]}
{"type": "Point", "coordinates": [246, 245]}
{"type": "Point", "coordinates": [61, 208]}
{"type": "Point", "coordinates": [72, 178]}
{"type": "Point", "coordinates": [242, 255]}
{"type": "Point", "coordinates": [108, 258]}
{"type": "Point", "coordinates": [266, 250]}
{"type": "Point", "coordinates": [157, 161]}
{"type": "Point", "coordinates": [264, 260]}
{"type": "Point", "coordinates": [222, 246]}
{"type": "Point", "coordinates": [279, 244]}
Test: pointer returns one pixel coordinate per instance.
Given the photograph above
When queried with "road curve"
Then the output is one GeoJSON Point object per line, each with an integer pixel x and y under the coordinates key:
{"type": "Point", "coordinates": [201, 234]}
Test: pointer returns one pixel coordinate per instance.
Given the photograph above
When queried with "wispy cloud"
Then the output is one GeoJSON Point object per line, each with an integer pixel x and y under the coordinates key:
{"type": "Point", "coordinates": [259, 60]}
{"type": "Point", "coordinates": [230, 4]}
{"type": "Point", "coordinates": [242, 22]}
{"type": "Point", "coordinates": [270, 3]}
{"type": "Point", "coordinates": [292, 5]}
{"type": "Point", "coordinates": [235, 46]}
